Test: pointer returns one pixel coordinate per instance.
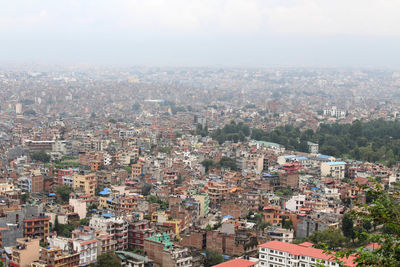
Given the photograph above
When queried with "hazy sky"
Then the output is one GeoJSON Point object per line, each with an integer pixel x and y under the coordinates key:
{"type": "Point", "coordinates": [202, 32]}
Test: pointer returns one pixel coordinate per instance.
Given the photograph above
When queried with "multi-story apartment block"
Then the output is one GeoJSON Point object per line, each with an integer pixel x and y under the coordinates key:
{"type": "Point", "coordinates": [37, 227]}
{"type": "Point", "coordinates": [138, 231]}
{"type": "Point", "coordinates": [55, 257]}
{"type": "Point", "coordinates": [281, 254]}
{"type": "Point", "coordinates": [217, 192]}
{"type": "Point", "coordinates": [334, 169]}
{"type": "Point", "coordinates": [204, 201]}
{"type": "Point", "coordinates": [24, 253]}
{"type": "Point", "coordinates": [105, 243]}
{"type": "Point", "coordinates": [86, 183]}
{"type": "Point", "coordinates": [117, 228]}
{"type": "Point", "coordinates": [84, 241]}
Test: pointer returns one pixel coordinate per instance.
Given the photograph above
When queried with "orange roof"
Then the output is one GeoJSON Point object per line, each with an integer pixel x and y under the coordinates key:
{"type": "Point", "coordinates": [88, 242]}
{"type": "Point", "coordinates": [269, 208]}
{"type": "Point", "coordinates": [233, 190]}
{"type": "Point", "coordinates": [236, 263]}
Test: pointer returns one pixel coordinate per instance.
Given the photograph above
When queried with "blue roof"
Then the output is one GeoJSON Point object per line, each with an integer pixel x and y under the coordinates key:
{"type": "Point", "coordinates": [336, 163]}
{"type": "Point", "coordinates": [52, 195]}
{"type": "Point", "coordinates": [228, 217]}
{"type": "Point", "coordinates": [302, 158]}
{"type": "Point", "coordinates": [106, 191]}
{"type": "Point", "coordinates": [108, 215]}
{"type": "Point", "coordinates": [270, 175]}
{"type": "Point", "coordinates": [109, 199]}
{"type": "Point", "coordinates": [323, 156]}
{"type": "Point", "coordinates": [290, 157]}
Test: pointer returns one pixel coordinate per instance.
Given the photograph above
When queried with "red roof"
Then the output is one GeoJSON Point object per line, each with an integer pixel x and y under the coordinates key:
{"type": "Point", "coordinates": [373, 246]}
{"type": "Point", "coordinates": [304, 251]}
{"type": "Point", "coordinates": [269, 208]}
{"type": "Point", "coordinates": [88, 242]}
{"type": "Point", "coordinates": [236, 263]}
{"type": "Point", "coordinates": [306, 244]}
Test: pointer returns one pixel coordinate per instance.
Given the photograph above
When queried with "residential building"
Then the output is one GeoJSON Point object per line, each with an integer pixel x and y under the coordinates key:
{"type": "Point", "coordinates": [85, 183]}
{"type": "Point", "coordinates": [281, 254]}
{"type": "Point", "coordinates": [334, 169]}
{"type": "Point", "coordinates": [25, 252]}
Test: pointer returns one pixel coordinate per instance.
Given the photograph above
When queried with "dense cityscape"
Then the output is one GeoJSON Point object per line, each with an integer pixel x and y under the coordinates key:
{"type": "Point", "coordinates": [198, 166]}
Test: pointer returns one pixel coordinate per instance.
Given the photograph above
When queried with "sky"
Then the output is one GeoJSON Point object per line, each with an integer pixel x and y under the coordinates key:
{"type": "Point", "coordinates": [250, 33]}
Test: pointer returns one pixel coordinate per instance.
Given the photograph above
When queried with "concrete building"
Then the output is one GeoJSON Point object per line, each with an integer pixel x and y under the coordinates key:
{"type": "Point", "coordinates": [117, 228]}
{"type": "Point", "coordinates": [25, 252]}
{"type": "Point", "coordinates": [13, 224]}
{"type": "Point", "coordinates": [79, 207]}
{"type": "Point", "coordinates": [281, 234]}
{"type": "Point", "coordinates": [313, 148]}
{"type": "Point", "coordinates": [163, 252]}
{"type": "Point", "coordinates": [55, 257]}
{"type": "Point", "coordinates": [85, 183]}
{"type": "Point", "coordinates": [295, 203]}
{"type": "Point", "coordinates": [85, 242]}
{"type": "Point", "coordinates": [276, 253]}
{"type": "Point", "coordinates": [37, 227]}
{"type": "Point", "coordinates": [334, 169]}
{"type": "Point", "coordinates": [130, 259]}
{"type": "Point", "coordinates": [138, 231]}
{"type": "Point", "coordinates": [204, 201]}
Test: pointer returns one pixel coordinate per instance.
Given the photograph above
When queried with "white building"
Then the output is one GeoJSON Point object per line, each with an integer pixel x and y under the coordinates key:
{"type": "Point", "coordinates": [295, 203]}
{"type": "Point", "coordinates": [281, 254]}
{"type": "Point", "coordinates": [18, 108]}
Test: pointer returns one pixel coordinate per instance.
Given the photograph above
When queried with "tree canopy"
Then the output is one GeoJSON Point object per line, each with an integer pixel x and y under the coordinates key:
{"type": "Point", "coordinates": [108, 259]}
{"type": "Point", "coordinates": [384, 213]}
{"type": "Point", "coordinates": [373, 141]}
{"type": "Point", "coordinates": [41, 156]}
{"type": "Point", "coordinates": [232, 132]}
{"type": "Point", "coordinates": [63, 192]}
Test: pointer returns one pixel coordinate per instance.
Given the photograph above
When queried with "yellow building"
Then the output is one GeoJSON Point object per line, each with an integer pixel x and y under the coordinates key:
{"type": "Point", "coordinates": [85, 183]}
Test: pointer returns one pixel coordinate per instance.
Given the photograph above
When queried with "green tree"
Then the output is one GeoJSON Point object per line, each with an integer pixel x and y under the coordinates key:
{"type": "Point", "coordinates": [207, 164]}
{"type": "Point", "coordinates": [84, 221]}
{"type": "Point", "coordinates": [226, 162]}
{"type": "Point", "coordinates": [146, 188]}
{"type": "Point", "coordinates": [63, 192]}
{"type": "Point", "coordinates": [331, 238]}
{"type": "Point", "coordinates": [288, 224]}
{"type": "Point", "coordinates": [213, 258]}
{"type": "Point", "coordinates": [24, 197]}
{"type": "Point", "coordinates": [384, 212]}
{"type": "Point", "coordinates": [348, 226]}
{"type": "Point", "coordinates": [108, 259]}
{"type": "Point", "coordinates": [41, 156]}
